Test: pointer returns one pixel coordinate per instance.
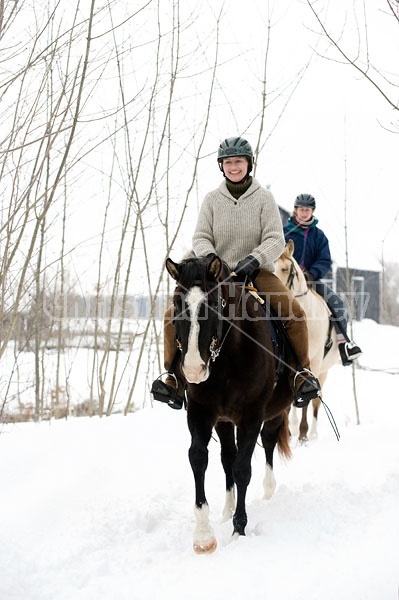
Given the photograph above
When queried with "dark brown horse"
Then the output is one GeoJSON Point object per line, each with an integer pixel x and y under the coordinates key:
{"type": "Point", "coordinates": [227, 358]}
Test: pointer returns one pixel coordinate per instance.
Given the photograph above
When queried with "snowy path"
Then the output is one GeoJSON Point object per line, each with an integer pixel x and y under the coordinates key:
{"type": "Point", "coordinates": [102, 509]}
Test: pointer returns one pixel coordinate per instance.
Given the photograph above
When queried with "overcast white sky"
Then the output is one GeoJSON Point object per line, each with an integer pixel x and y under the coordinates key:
{"type": "Point", "coordinates": [332, 140]}
{"type": "Point", "coordinates": [334, 122]}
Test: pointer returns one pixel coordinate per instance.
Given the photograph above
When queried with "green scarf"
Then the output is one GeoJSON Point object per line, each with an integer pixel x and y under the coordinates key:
{"type": "Point", "coordinates": [238, 189]}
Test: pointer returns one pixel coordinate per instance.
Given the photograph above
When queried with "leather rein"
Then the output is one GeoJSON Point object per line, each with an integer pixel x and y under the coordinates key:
{"type": "Point", "coordinates": [291, 276]}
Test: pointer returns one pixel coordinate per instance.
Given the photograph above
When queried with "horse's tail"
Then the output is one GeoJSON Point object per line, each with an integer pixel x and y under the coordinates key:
{"type": "Point", "coordinates": [283, 440]}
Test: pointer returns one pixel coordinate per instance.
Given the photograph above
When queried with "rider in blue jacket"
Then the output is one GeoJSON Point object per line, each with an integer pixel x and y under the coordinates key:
{"type": "Point", "coordinates": [312, 253]}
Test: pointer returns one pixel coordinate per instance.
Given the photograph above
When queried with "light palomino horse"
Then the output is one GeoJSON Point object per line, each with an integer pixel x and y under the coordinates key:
{"type": "Point", "coordinates": [319, 328]}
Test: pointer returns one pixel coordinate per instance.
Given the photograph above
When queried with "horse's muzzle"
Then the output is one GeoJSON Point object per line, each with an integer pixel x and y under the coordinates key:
{"type": "Point", "coordinates": [196, 374]}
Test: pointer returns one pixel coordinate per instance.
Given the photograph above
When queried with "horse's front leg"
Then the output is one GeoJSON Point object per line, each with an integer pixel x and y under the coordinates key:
{"type": "Point", "coordinates": [315, 406]}
{"type": "Point", "coordinates": [228, 453]}
{"type": "Point", "coordinates": [246, 440]}
{"type": "Point", "coordinates": [201, 430]}
{"type": "Point", "coordinates": [304, 426]}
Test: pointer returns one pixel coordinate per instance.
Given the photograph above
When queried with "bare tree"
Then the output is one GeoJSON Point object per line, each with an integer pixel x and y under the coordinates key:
{"type": "Point", "coordinates": [43, 111]}
{"type": "Point", "coordinates": [390, 294]}
{"type": "Point", "coordinates": [27, 147]}
{"type": "Point", "coordinates": [358, 51]}
{"type": "Point", "coordinates": [96, 111]}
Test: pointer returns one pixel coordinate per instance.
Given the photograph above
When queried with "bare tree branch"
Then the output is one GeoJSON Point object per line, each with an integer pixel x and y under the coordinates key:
{"type": "Point", "coordinates": [354, 62]}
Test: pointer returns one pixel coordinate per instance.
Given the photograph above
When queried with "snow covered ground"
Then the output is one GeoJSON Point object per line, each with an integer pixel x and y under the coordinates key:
{"type": "Point", "coordinates": [102, 509]}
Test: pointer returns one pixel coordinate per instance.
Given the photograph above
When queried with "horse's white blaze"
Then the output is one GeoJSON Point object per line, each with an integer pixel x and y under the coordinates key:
{"type": "Point", "coordinates": [229, 505]}
{"type": "Point", "coordinates": [269, 483]}
{"type": "Point", "coordinates": [194, 367]}
{"type": "Point", "coordinates": [204, 537]}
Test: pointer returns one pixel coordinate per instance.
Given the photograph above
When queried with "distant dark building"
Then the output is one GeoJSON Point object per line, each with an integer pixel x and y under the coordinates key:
{"type": "Point", "coordinates": [364, 294]}
{"type": "Point", "coordinates": [284, 214]}
{"type": "Point", "coordinates": [361, 288]}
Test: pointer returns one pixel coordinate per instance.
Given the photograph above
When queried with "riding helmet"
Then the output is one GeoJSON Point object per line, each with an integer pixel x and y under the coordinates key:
{"type": "Point", "coordinates": [305, 200]}
{"type": "Point", "coordinates": [235, 146]}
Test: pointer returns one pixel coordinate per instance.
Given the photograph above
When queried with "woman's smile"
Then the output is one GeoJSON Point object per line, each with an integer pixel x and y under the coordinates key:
{"type": "Point", "coordinates": [235, 168]}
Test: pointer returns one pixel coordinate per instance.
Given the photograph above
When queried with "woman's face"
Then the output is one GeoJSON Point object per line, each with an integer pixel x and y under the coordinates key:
{"type": "Point", "coordinates": [235, 168]}
{"type": "Point", "coordinates": [304, 213]}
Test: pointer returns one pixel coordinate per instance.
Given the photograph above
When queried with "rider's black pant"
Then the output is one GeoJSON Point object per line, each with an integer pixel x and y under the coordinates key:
{"type": "Point", "coordinates": [336, 305]}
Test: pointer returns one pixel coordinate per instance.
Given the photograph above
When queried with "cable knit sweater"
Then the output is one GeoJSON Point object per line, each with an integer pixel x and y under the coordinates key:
{"type": "Point", "coordinates": [235, 228]}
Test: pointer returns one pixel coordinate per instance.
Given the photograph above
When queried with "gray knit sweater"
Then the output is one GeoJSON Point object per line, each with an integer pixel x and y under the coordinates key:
{"type": "Point", "coordinates": [235, 228]}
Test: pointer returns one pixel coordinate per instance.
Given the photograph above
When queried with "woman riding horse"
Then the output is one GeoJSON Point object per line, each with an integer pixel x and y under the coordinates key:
{"type": "Point", "coordinates": [240, 222]}
{"type": "Point", "coordinates": [312, 253]}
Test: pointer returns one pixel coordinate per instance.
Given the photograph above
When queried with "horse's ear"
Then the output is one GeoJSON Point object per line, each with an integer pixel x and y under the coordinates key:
{"type": "Point", "coordinates": [290, 247]}
{"type": "Point", "coordinates": [172, 268]}
{"type": "Point", "coordinates": [215, 266]}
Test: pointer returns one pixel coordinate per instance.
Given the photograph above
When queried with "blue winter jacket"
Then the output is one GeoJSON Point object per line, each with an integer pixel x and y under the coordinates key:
{"type": "Point", "coordinates": [312, 249]}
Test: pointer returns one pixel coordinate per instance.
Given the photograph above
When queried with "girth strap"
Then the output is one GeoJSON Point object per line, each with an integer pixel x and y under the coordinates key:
{"type": "Point", "coordinates": [174, 362]}
{"type": "Point", "coordinates": [329, 342]}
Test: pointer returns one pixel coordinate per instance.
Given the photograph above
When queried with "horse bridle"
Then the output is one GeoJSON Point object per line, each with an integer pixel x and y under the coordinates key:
{"type": "Point", "coordinates": [290, 280]}
{"type": "Point", "coordinates": [214, 348]}
{"type": "Point", "coordinates": [217, 341]}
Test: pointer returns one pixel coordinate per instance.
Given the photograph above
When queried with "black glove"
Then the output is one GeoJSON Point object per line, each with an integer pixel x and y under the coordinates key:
{"type": "Point", "coordinates": [247, 268]}
{"type": "Point", "coordinates": [308, 276]}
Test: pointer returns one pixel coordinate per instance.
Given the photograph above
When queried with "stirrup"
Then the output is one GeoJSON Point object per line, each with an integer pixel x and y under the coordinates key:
{"type": "Point", "coordinates": [163, 393]}
{"type": "Point", "coordinates": [349, 352]}
{"type": "Point", "coordinates": [308, 390]}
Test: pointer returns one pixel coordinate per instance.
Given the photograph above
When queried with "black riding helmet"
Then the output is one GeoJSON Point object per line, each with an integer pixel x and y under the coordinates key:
{"type": "Point", "coordinates": [235, 146]}
{"type": "Point", "coordinates": [305, 200]}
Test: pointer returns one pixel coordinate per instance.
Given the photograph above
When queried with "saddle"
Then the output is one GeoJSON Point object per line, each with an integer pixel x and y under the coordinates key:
{"type": "Point", "coordinates": [278, 334]}
{"type": "Point", "coordinates": [329, 342]}
{"type": "Point", "coordinates": [280, 340]}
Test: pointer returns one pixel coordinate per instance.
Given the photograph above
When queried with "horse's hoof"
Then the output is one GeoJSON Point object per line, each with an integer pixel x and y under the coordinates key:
{"type": "Point", "coordinates": [205, 546]}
